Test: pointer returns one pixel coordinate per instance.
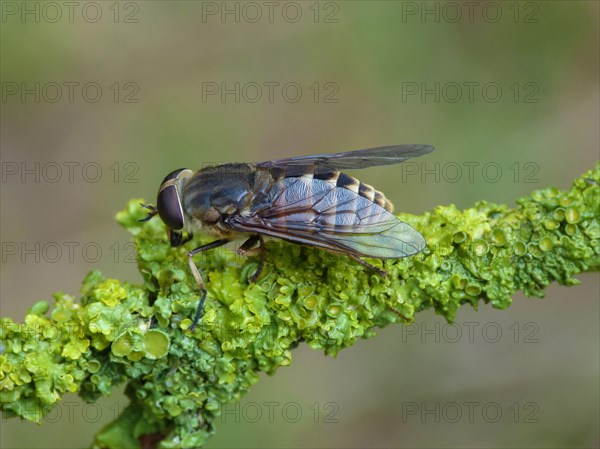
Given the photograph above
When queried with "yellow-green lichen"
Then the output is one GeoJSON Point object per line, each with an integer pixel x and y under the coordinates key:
{"type": "Point", "coordinates": [177, 380]}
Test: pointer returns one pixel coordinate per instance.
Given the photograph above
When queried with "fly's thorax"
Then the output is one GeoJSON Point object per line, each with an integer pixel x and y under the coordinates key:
{"type": "Point", "coordinates": [215, 193]}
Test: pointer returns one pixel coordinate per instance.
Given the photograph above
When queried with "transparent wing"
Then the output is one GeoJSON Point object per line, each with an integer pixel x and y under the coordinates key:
{"type": "Point", "coordinates": [318, 213]}
{"type": "Point", "coordinates": [323, 163]}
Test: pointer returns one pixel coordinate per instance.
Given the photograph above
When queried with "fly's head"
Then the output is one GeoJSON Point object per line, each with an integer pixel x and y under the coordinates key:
{"type": "Point", "coordinates": [169, 205]}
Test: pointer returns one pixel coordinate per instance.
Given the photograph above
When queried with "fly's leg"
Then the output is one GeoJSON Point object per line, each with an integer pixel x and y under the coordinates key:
{"type": "Point", "coordinates": [152, 212]}
{"type": "Point", "coordinates": [189, 237]}
{"type": "Point", "coordinates": [381, 273]}
{"type": "Point", "coordinates": [402, 317]}
{"type": "Point", "coordinates": [261, 260]}
{"type": "Point", "coordinates": [245, 248]}
{"type": "Point", "coordinates": [198, 276]}
{"type": "Point", "coordinates": [368, 265]}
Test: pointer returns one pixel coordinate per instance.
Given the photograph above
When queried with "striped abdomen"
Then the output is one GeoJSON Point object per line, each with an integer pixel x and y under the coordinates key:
{"type": "Point", "coordinates": [354, 185]}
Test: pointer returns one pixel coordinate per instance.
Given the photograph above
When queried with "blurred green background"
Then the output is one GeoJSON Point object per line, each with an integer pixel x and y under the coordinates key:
{"type": "Point", "coordinates": [101, 100]}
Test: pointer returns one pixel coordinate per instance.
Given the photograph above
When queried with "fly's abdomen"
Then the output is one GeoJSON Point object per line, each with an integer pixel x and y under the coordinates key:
{"type": "Point", "coordinates": [330, 199]}
{"type": "Point", "coordinates": [348, 182]}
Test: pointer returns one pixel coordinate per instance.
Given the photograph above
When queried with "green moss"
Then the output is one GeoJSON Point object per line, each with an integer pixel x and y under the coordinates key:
{"type": "Point", "coordinates": [139, 334]}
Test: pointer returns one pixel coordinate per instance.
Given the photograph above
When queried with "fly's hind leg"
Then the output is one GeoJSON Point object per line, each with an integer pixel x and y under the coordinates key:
{"type": "Point", "coordinates": [399, 315]}
{"type": "Point", "coordinates": [379, 271]}
{"type": "Point", "coordinates": [198, 276]}
{"type": "Point", "coordinates": [245, 249]}
{"type": "Point", "coordinates": [382, 273]}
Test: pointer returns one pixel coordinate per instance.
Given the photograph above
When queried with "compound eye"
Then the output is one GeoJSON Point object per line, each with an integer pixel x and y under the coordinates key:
{"type": "Point", "coordinates": [169, 207]}
{"type": "Point", "coordinates": [173, 175]}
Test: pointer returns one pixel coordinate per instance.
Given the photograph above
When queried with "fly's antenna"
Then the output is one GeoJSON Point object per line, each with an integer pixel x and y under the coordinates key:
{"type": "Point", "coordinates": [153, 211]}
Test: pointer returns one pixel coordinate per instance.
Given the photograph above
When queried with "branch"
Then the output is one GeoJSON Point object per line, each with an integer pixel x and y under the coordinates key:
{"type": "Point", "coordinates": [177, 380]}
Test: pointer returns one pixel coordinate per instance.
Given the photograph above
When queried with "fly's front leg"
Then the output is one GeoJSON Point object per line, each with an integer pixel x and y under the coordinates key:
{"type": "Point", "coordinates": [189, 237]}
{"type": "Point", "coordinates": [247, 246]}
{"type": "Point", "coordinates": [198, 276]}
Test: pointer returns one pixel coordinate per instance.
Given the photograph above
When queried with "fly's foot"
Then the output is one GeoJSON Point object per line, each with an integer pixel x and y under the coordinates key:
{"type": "Point", "coordinates": [199, 310]}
